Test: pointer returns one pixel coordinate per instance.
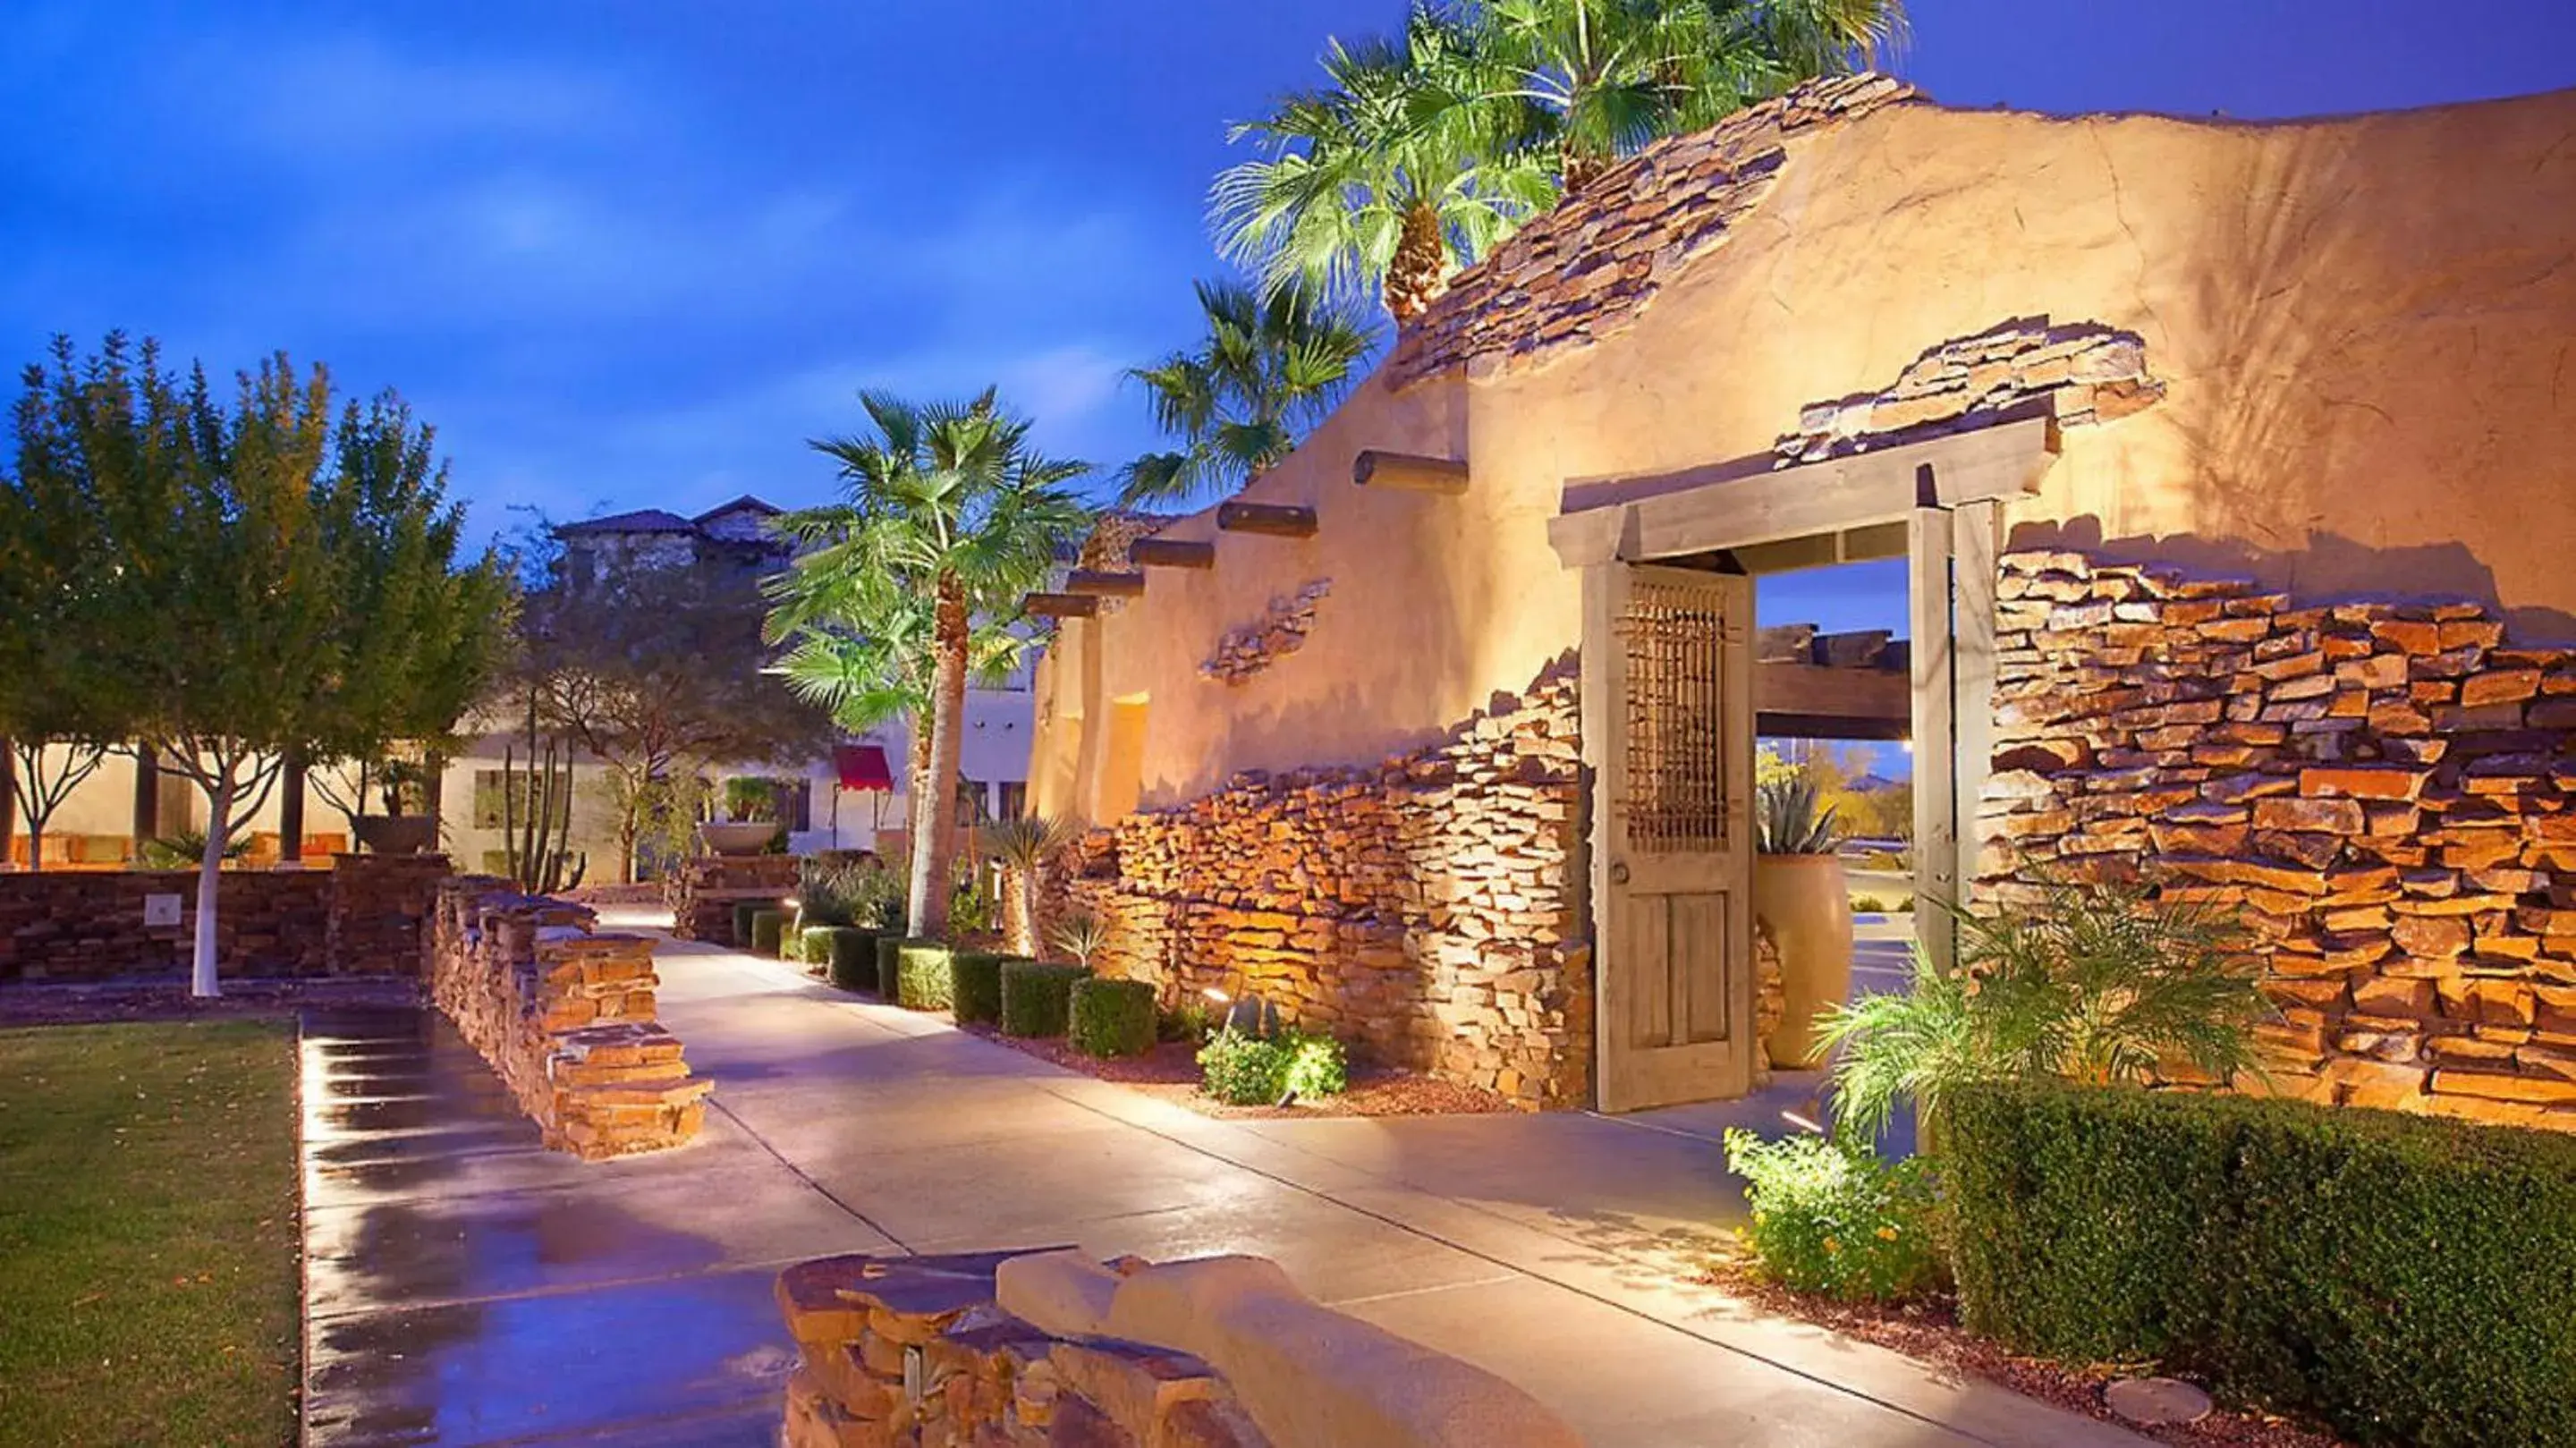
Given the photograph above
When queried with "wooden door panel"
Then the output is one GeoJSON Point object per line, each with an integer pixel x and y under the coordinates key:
{"type": "Point", "coordinates": [1668, 726]}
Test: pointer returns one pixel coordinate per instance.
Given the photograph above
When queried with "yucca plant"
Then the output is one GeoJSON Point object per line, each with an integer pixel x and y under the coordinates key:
{"type": "Point", "coordinates": [1023, 848]}
{"type": "Point", "coordinates": [1790, 819]}
{"type": "Point", "coordinates": [1081, 935]}
{"type": "Point", "coordinates": [2092, 982]}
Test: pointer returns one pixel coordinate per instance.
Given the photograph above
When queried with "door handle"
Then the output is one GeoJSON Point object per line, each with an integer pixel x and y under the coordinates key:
{"type": "Point", "coordinates": [1618, 872]}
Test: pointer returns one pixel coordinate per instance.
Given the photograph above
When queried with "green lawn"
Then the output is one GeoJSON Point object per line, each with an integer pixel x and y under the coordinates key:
{"type": "Point", "coordinates": [148, 1277]}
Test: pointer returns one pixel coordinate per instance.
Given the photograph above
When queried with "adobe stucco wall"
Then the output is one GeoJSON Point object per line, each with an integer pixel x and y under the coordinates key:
{"type": "Point", "coordinates": [2364, 327]}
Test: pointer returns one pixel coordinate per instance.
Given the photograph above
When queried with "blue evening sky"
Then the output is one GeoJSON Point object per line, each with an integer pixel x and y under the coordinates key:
{"type": "Point", "coordinates": [632, 252]}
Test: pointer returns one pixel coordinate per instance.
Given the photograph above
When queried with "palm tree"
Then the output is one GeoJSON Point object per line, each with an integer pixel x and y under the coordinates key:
{"type": "Point", "coordinates": [1380, 181]}
{"type": "Point", "coordinates": [1270, 367]}
{"type": "Point", "coordinates": [1596, 79]}
{"type": "Point", "coordinates": [949, 504]}
{"type": "Point", "coordinates": [1024, 847]}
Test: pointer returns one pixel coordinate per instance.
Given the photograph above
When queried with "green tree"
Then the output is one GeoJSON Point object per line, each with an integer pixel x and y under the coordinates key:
{"type": "Point", "coordinates": [1384, 180]}
{"type": "Point", "coordinates": [947, 502]}
{"type": "Point", "coordinates": [1268, 369]}
{"type": "Point", "coordinates": [252, 585]}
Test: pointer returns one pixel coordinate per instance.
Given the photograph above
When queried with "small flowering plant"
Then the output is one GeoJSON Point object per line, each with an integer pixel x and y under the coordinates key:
{"type": "Point", "coordinates": [1830, 1217]}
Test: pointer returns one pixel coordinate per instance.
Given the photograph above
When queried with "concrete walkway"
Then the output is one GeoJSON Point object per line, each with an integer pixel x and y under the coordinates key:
{"type": "Point", "coordinates": [467, 1287]}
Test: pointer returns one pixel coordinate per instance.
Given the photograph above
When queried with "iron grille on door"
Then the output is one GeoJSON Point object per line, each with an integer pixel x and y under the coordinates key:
{"type": "Point", "coordinates": [1676, 755]}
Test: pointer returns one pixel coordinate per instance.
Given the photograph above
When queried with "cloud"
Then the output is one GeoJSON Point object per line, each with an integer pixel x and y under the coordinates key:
{"type": "Point", "coordinates": [335, 97]}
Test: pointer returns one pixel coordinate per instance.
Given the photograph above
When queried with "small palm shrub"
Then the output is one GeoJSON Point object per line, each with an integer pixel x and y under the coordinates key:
{"type": "Point", "coordinates": [1245, 1069]}
{"type": "Point", "coordinates": [1023, 848]}
{"type": "Point", "coordinates": [2093, 982]}
{"type": "Point", "coordinates": [1082, 935]}
{"type": "Point", "coordinates": [1037, 998]}
{"type": "Point", "coordinates": [1111, 1018]}
{"type": "Point", "coordinates": [183, 850]}
{"type": "Point", "coordinates": [1830, 1217]}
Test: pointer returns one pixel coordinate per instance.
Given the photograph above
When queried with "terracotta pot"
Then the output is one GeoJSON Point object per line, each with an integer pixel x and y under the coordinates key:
{"type": "Point", "coordinates": [737, 837]}
{"type": "Point", "coordinates": [396, 834]}
{"type": "Point", "coordinates": [1806, 904]}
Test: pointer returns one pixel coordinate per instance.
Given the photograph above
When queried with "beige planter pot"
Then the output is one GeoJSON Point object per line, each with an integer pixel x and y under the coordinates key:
{"type": "Point", "coordinates": [1805, 903]}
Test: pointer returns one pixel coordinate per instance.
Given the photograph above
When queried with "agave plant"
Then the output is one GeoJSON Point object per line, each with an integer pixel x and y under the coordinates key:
{"type": "Point", "coordinates": [1081, 935]}
{"type": "Point", "coordinates": [1024, 847]}
{"type": "Point", "coordinates": [1789, 818]}
{"type": "Point", "coordinates": [2092, 982]}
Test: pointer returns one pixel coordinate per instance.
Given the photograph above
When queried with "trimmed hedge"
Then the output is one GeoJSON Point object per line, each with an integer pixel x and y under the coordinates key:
{"type": "Point", "coordinates": [889, 967]}
{"type": "Point", "coordinates": [2407, 1279]}
{"type": "Point", "coordinates": [743, 910]}
{"type": "Point", "coordinates": [850, 951]}
{"type": "Point", "coordinates": [1037, 997]}
{"type": "Point", "coordinates": [975, 985]}
{"type": "Point", "coordinates": [768, 931]}
{"type": "Point", "coordinates": [921, 975]}
{"type": "Point", "coordinates": [1111, 1018]}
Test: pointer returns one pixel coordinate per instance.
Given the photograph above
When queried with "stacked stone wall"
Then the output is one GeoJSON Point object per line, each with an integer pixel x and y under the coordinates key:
{"type": "Point", "coordinates": [565, 1017]}
{"type": "Point", "coordinates": [361, 917]}
{"type": "Point", "coordinates": [1421, 910]}
{"type": "Point", "coordinates": [2380, 792]}
{"type": "Point", "coordinates": [704, 891]}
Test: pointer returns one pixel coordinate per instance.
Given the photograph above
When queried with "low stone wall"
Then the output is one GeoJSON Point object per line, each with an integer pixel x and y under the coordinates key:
{"type": "Point", "coordinates": [705, 890]}
{"type": "Point", "coordinates": [565, 1017]}
{"type": "Point", "coordinates": [1051, 1348]}
{"type": "Point", "coordinates": [2382, 793]}
{"type": "Point", "coordinates": [1421, 910]}
{"type": "Point", "coordinates": [362, 916]}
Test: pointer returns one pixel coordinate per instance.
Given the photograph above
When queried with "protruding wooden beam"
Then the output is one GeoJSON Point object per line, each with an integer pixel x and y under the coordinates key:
{"type": "Point", "coordinates": [1408, 472]}
{"type": "Point", "coordinates": [1060, 605]}
{"type": "Point", "coordinates": [1278, 520]}
{"type": "Point", "coordinates": [1105, 585]}
{"type": "Point", "coordinates": [1171, 553]}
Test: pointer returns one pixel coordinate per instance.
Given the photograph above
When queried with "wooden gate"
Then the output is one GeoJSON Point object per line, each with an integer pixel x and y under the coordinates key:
{"type": "Point", "coordinates": [1668, 730]}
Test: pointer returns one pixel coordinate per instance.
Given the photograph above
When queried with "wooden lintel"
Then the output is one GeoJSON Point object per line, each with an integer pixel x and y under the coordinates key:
{"type": "Point", "coordinates": [1277, 520]}
{"type": "Point", "coordinates": [1061, 605]}
{"type": "Point", "coordinates": [1408, 472]}
{"type": "Point", "coordinates": [1171, 553]}
{"type": "Point", "coordinates": [1104, 584]}
{"type": "Point", "coordinates": [1729, 510]}
{"type": "Point", "coordinates": [1884, 697]}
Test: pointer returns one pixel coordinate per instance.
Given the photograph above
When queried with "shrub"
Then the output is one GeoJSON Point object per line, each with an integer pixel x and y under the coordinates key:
{"type": "Point", "coordinates": [1037, 997]}
{"type": "Point", "coordinates": [2407, 1279]}
{"type": "Point", "coordinates": [1111, 1018]}
{"type": "Point", "coordinates": [975, 985]}
{"type": "Point", "coordinates": [1830, 1217]}
{"type": "Point", "coordinates": [1868, 905]}
{"type": "Point", "coordinates": [768, 930]}
{"type": "Point", "coordinates": [850, 952]}
{"type": "Point", "coordinates": [890, 967]}
{"type": "Point", "coordinates": [2095, 982]}
{"type": "Point", "coordinates": [1188, 1021]}
{"type": "Point", "coordinates": [743, 910]}
{"type": "Point", "coordinates": [1253, 1070]}
{"type": "Point", "coordinates": [921, 975]}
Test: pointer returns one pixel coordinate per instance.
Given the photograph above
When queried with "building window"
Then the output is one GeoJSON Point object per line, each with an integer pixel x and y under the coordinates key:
{"type": "Point", "coordinates": [1015, 799]}
{"type": "Point", "coordinates": [970, 801]}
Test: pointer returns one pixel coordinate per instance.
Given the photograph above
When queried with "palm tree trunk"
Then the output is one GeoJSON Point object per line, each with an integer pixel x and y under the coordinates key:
{"type": "Point", "coordinates": [934, 854]}
{"type": "Point", "coordinates": [1418, 269]}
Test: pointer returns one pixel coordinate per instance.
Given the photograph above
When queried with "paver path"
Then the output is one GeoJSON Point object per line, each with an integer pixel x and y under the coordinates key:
{"type": "Point", "coordinates": [466, 1286]}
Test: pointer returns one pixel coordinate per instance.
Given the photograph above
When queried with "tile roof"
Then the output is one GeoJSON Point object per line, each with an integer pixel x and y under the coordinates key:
{"type": "Point", "coordinates": [642, 520]}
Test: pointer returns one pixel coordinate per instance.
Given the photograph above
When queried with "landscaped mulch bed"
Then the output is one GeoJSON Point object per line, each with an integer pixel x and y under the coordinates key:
{"type": "Point", "coordinates": [148, 1227]}
{"type": "Point", "coordinates": [1171, 1072]}
{"type": "Point", "coordinates": [1928, 1331]}
{"type": "Point", "coordinates": [167, 999]}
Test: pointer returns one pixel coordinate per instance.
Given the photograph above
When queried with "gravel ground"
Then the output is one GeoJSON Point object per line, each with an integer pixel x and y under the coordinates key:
{"type": "Point", "coordinates": [1929, 1332]}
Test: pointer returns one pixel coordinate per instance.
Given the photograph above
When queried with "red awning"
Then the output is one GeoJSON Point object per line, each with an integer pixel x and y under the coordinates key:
{"type": "Point", "coordinates": [862, 766]}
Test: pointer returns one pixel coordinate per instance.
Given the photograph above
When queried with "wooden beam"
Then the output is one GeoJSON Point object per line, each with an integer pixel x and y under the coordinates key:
{"type": "Point", "coordinates": [1104, 584]}
{"type": "Point", "coordinates": [1936, 837]}
{"type": "Point", "coordinates": [1171, 553]}
{"type": "Point", "coordinates": [1826, 726]}
{"type": "Point", "coordinates": [1697, 511]}
{"type": "Point", "coordinates": [1408, 472]}
{"type": "Point", "coordinates": [1061, 605]}
{"type": "Point", "coordinates": [1976, 543]}
{"type": "Point", "coordinates": [1276, 520]}
{"type": "Point", "coordinates": [1882, 696]}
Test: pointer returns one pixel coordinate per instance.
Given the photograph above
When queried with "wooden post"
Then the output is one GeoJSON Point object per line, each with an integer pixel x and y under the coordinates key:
{"type": "Point", "coordinates": [8, 800]}
{"type": "Point", "coordinates": [290, 810]}
{"type": "Point", "coordinates": [1061, 605]}
{"type": "Point", "coordinates": [1408, 472]}
{"type": "Point", "coordinates": [1936, 839]}
{"type": "Point", "coordinates": [1276, 520]}
{"type": "Point", "coordinates": [1171, 553]}
{"type": "Point", "coordinates": [147, 796]}
{"type": "Point", "coordinates": [1976, 544]}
